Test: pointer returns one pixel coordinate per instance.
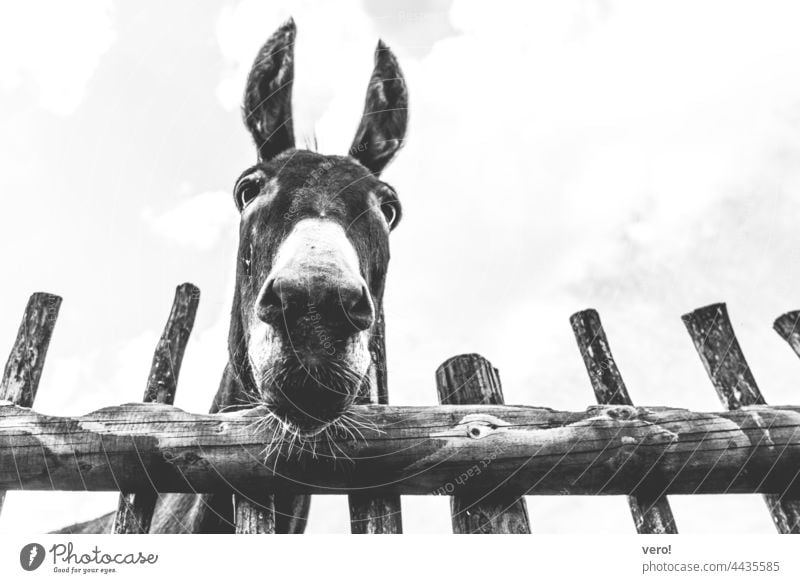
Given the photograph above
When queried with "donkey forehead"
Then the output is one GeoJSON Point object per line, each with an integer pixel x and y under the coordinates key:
{"type": "Point", "coordinates": [301, 183]}
{"type": "Point", "coordinates": [310, 171]}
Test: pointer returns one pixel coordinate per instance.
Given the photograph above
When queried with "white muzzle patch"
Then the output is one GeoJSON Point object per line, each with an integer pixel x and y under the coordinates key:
{"type": "Point", "coordinates": [315, 248]}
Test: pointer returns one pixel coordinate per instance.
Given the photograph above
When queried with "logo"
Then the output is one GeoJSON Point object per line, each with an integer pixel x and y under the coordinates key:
{"type": "Point", "coordinates": [31, 556]}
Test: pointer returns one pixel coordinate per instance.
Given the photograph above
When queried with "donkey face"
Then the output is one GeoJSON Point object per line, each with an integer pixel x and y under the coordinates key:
{"type": "Point", "coordinates": [314, 246]}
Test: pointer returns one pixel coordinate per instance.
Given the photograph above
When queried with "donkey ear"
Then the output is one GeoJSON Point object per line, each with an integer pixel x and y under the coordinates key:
{"type": "Point", "coordinates": [383, 125]}
{"type": "Point", "coordinates": [268, 97]}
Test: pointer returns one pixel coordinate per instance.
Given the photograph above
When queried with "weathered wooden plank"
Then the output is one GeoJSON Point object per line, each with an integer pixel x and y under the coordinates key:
{"type": "Point", "coordinates": [376, 513]}
{"type": "Point", "coordinates": [470, 379]}
{"type": "Point", "coordinates": [254, 514]}
{"type": "Point", "coordinates": [25, 363]}
{"type": "Point", "coordinates": [135, 510]}
{"type": "Point", "coordinates": [651, 512]}
{"type": "Point", "coordinates": [252, 517]}
{"type": "Point", "coordinates": [712, 333]}
{"type": "Point", "coordinates": [168, 356]}
{"type": "Point", "coordinates": [609, 388]}
{"type": "Point", "coordinates": [788, 326]}
{"type": "Point", "coordinates": [414, 450]}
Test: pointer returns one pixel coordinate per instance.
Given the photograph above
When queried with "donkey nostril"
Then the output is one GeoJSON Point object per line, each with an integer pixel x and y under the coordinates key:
{"type": "Point", "coordinates": [268, 301]}
{"type": "Point", "coordinates": [345, 308]}
{"type": "Point", "coordinates": [361, 312]}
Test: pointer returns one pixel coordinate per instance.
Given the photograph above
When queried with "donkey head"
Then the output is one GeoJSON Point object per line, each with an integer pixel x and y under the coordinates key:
{"type": "Point", "coordinates": [313, 246]}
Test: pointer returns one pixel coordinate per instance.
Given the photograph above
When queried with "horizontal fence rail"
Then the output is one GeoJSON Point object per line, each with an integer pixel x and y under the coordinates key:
{"type": "Point", "coordinates": [612, 449]}
{"type": "Point", "coordinates": [482, 454]}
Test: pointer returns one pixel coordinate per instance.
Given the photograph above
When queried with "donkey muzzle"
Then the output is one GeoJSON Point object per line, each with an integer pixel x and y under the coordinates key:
{"type": "Point", "coordinates": [315, 283]}
{"type": "Point", "coordinates": [287, 300]}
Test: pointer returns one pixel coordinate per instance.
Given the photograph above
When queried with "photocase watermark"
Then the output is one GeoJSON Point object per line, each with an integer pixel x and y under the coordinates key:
{"type": "Point", "coordinates": [51, 309]}
{"type": "Point", "coordinates": [450, 487]}
{"type": "Point", "coordinates": [359, 147]}
{"type": "Point", "coordinates": [31, 556]}
{"type": "Point", "coordinates": [319, 331]}
{"type": "Point", "coordinates": [313, 179]}
{"type": "Point", "coordinates": [65, 559]}
{"type": "Point", "coordinates": [411, 15]}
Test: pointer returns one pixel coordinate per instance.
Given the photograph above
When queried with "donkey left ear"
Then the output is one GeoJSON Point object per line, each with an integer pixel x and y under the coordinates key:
{"type": "Point", "coordinates": [383, 125]}
{"type": "Point", "coordinates": [268, 98]}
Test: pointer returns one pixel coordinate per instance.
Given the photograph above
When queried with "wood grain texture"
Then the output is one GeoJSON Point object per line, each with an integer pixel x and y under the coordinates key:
{"type": "Point", "coordinates": [606, 449]}
{"type": "Point", "coordinates": [712, 333]}
{"type": "Point", "coordinates": [788, 327]}
{"type": "Point", "coordinates": [651, 512]}
{"type": "Point", "coordinates": [135, 510]}
{"type": "Point", "coordinates": [25, 363]}
{"type": "Point", "coordinates": [24, 366]}
{"type": "Point", "coordinates": [377, 512]}
{"type": "Point", "coordinates": [254, 518]}
{"type": "Point", "coordinates": [168, 356]}
{"type": "Point", "coordinates": [471, 379]}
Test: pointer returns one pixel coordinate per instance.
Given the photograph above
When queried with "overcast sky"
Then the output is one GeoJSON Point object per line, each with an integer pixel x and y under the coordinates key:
{"type": "Point", "coordinates": [641, 158]}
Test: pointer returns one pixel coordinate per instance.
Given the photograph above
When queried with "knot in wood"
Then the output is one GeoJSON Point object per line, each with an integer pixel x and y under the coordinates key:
{"type": "Point", "coordinates": [474, 426]}
{"type": "Point", "coordinates": [478, 430]}
{"type": "Point", "coordinates": [621, 412]}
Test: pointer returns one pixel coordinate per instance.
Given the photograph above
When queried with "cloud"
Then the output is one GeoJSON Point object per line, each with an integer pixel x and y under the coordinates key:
{"type": "Point", "coordinates": [326, 55]}
{"type": "Point", "coordinates": [549, 143]}
{"type": "Point", "coordinates": [54, 45]}
{"type": "Point", "coordinates": [197, 221]}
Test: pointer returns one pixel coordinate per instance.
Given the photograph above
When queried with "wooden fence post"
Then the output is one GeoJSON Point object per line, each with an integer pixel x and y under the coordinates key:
{"type": "Point", "coordinates": [253, 517]}
{"type": "Point", "coordinates": [25, 363]}
{"type": "Point", "coordinates": [651, 512]}
{"type": "Point", "coordinates": [135, 510]}
{"type": "Point", "coordinates": [712, 332]}
{"type": "Point", "coordinates": [370, 513]}
{"type": "Point", "coordinates": [251, 514]}
{"type": "Point", "coordinates": [470, 379]}
{"type": "Point", "coordinates": [788, 327]}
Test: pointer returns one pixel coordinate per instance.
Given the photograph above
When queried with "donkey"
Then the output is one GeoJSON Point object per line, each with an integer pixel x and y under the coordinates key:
{"type": "Point", "coordinates": [306, 328]}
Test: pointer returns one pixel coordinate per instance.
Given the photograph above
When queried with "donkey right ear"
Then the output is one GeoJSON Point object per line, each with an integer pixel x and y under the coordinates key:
{"type": "Point", "coordinates": [383, 125]}
{"type": "Point", "coordinates": [268, 98]}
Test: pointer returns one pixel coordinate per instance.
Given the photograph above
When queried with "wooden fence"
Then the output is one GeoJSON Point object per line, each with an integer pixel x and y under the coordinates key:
{"type": "Point", "coordinates": [484, 455]}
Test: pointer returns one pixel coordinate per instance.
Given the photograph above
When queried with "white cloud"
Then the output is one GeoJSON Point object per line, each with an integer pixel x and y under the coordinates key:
{"type": "Point", "coordinates": [55, 45]}
{"type": "Point", "coordinates": [326, 55]}
{"type": "Point", "coordinates": [548, 141]}
{"type": "Point", "coordinates": [198, 221]}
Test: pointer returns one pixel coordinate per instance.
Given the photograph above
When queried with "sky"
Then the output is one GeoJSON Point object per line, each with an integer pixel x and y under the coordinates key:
{"type": "Point", "coordinates": [640, 158]}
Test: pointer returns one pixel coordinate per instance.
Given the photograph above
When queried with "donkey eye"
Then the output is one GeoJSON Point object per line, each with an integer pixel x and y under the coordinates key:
{"type": "Point", "coordinates": [248, 188]}
{"type": "Point", "coordinates": [389, 210]}
{"type": "Point", "coordinates": [390, 205]}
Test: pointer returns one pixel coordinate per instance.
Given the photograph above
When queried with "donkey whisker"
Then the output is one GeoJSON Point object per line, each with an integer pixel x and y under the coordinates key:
{"type": "Point", "coordinates": [354, 428]}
